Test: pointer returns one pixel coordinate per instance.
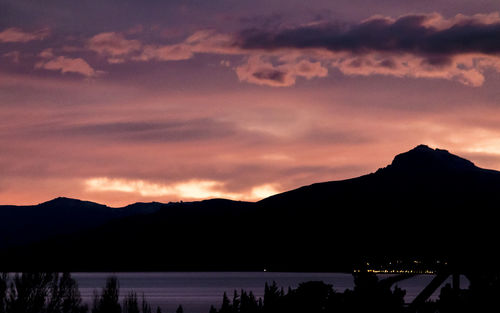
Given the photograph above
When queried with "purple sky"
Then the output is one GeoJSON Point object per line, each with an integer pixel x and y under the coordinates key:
{"type": "Point", "coordinates": [125, 101]}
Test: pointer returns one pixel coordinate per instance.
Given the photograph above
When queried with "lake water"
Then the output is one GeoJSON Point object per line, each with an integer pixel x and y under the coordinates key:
{"type": "Point", "coordinates": [196, 291]}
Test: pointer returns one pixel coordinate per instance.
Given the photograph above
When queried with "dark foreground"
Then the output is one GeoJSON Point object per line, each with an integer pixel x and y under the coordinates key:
{"type": "Point", "coordinates": [59, 293]}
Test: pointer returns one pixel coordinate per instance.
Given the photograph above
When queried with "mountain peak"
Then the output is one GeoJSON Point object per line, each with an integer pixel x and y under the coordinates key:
{"type": "Point", "coordinates": [69, 202]}
{"type": "Point", "coordinates": [423, 158]}
{"type": "Point", "coordinates": [61, 200]}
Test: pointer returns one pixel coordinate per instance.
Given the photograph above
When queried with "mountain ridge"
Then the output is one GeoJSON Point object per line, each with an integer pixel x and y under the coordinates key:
{"type": "Point", "coordinates": [411, 159]}
{"type": "Point", "coordinates": [442, 206]}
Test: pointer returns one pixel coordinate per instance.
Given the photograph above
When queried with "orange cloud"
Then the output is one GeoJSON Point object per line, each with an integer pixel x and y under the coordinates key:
{"type": "Point", "coordinates": [188, 190]}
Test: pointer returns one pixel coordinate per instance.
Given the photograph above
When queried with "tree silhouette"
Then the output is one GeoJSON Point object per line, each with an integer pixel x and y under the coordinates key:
{"type": "Point", "coordinates": [311, 297]}
{"type": "Point", "coordinates": [130, 304]}
{"type": "Point", "coordinates": [3, 291]}
{"type": "Point", "coordinates": [40, 293]}
{"type": "Point", "coordinates": [236, 302]}
{"type": "Point", "coordinates": [107, 302]}
{"type": "Point", "coordinates": [226, 304]}
{"type": "Point", "coordinates": [65, 296]}
{"type": "Point", "coordinates": [146, 308]}
{"type": "Point", "coordinates": [28, 292]}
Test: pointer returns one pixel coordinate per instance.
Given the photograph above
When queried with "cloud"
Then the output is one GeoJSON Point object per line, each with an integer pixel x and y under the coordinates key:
{"type": "Point", "coordinates": [176, 52]}
{"type": "Point", "coordinates": [420, 45]}
{"type": "Point", "coordinates": [67, 65]}
{"type": "Point", "coordinates": [177, 130]}
{"type": "Point", "coordinates": [14, 34]}
{"type": "Point", "coordinates": [261, 72]}
{"type": "Point", "coordinates": [203, 41]}
{"type": "Point", "coordinates": [113, 45]}
{"type": "Point", "coordinates": [189, 190]}
{"type": "Point", "coordinates": [460, 48]}
{"type": "Point", "coordinates": [428, 35]}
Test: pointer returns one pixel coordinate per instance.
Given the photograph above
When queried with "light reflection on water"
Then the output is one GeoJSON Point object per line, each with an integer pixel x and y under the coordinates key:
{"type": "Point", "coordinates": [196, 291]}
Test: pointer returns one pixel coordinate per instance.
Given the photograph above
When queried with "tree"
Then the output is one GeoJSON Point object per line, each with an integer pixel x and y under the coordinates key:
{"type": "Point", "coordinates": [28, 292]}
{"type": "Point", "coordinates": [107, 302]}
{"type": "Point", "coordinates": [146, 308]}
{"type": "Point", "coordinates": [130, 304]}
{"type": "Point", "coordinates": [179, 309]}
{"type": "Point", "coordinates": [3, 291]}
{"type": "Point", "coordinates": [226, 304]}
{"type": "Point", "coordinates": [65, 296]}
{"type": "Point", "coordinates": [272, 295]}
{"type": "Point", "coordinates": [236, 302]}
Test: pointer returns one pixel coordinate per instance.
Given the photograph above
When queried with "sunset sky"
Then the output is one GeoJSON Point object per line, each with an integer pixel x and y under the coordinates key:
{"type": "Point", "coordinates": [121, 101]}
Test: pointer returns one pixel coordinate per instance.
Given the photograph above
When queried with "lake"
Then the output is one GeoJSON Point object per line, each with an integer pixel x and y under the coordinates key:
{"type": "Point", "coordinates": [196, 291]}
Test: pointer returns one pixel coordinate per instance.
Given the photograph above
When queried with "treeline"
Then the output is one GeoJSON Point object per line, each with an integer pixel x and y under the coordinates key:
{"type": "Point", "coordinates": [369, 295]}
{"type": "Point", "coordinates": [59, 293]}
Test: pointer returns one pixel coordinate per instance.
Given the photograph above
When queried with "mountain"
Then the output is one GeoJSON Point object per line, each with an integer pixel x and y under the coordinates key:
{"type": "Point", "coordinates": [427, 203]}
{"type": "Point", "coordinates": [25, 224]}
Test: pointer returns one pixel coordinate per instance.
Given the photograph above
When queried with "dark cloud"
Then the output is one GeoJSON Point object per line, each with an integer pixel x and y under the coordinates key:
{"type": "Point", "coordinates": [414, 34]}
{"type": "Point", "coordinates": [270, 74]}
{"type": "Point", "coordinates": [144, 131]}
{"type": "Point", "coordinates": [168, 131]}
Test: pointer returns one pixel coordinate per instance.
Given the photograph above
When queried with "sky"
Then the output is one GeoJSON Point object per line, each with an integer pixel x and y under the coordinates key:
{"type": "Point", "coordinates": [123, 101]}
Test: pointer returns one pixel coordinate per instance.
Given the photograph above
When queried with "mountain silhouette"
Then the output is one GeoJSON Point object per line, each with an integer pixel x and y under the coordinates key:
{"type": "Point", "coordinates": [25, 224]}
{"type": "Point", "coordinates": [428, 203]}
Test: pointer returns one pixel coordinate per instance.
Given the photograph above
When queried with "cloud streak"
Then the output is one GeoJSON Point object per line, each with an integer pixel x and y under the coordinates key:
{"type": "Point", "coordinates": [189, 190]}
{"type": "Point", "coordinates": [15, 34]}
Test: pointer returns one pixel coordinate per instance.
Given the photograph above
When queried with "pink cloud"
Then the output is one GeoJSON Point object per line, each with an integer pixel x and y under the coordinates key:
{"type": "Point", "coordinates": [113, 44]}
{"type": "Point", "coordinates": [460, 48]}
{"type": "Point", "coordinates": [203, 41]}
{"type": "Point", "coordinates": [68, 65]}
{"type": "Point", "coordinates": [466, 69]}
{"type": "Point", "coordinates": [260, 72]}
{"type": "Point", "coordinates": [14, 34]}
{"type": "Point", "coordinates": [361, 56]}
{"type": "Point", "coordinates": [165, 53]}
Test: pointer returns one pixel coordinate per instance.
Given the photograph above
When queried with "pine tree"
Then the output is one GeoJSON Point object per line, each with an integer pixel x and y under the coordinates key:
{"type": "Point", "coordinates": [236, 302]}
{"type": "Point", "coordinates": [130, 304]}
{"type": "Point", "coordinates": [146, 308]}
{"type": "Point", "coordinates": [226, 304]}
{"type": "Point", "coordinates": [212, 309]}
{"type": "Point", "coordinates": [3, 291]}
{"type": "Point", "coordinates": [107, 302]}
